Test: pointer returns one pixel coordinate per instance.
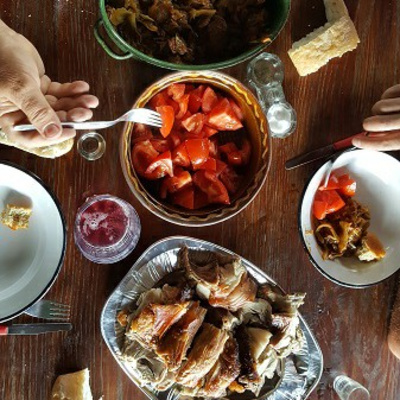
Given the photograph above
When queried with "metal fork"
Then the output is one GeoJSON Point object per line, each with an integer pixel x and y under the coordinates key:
{"type": "Point", "coordinates": [140, 115]}
{"type": "Point", "coordinates": [332, 162]}
{"type": "Point", "coordinates": [50, 310]}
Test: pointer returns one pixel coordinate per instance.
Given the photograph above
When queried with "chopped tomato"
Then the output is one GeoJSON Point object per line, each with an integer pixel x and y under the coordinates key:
{"type": "Point", "coordinates": [343, 184]}
{"type": "Point", "coordinates": [210, 99]}
{"type": "Point", "coordinates": [230, 179]}
{"type": "Point", "coordinates": [174, 140]}
{"type": "Point", "coordinates": [160, 166]}
{"type": "Point", "coordinates": [140, 133]}
{"type": "Point", "coordinates": [220, 167]}
{"type": "Point", "coordinates": [208, 182]}
{"type": "Point", "coordinates": [235, 158]}
{"type": "Point", "coordinates": [172, 184]}
{"type": "Point", "coordinates": [223, 117]}
{"type": "Point", "coordinates": [245, 151]}
{"type": "Point", "coordinates": [228, 148]}
{"type": "Point", "coordinates": [208, 131]}
{"type": "Point", "coordinates": [326, 202]}
{"type": "Point", "coordinates": [161, 145]}
{"type": "Point", "coordinates": [159, 100]}
{"type": "Point", "coordinates": [180, 156]}
{"type": "Point", "coordinates": [210, 164]}
{"type": "Point", "coordinates": [184, 197]}
{"type": "Point", "coordinates": [235, 107]}
{"type": "Point", "coordinates": [183, 106]}
{"type": "Point", "coordinates": [213, 148]}
{"type": "Point", "coordinates": [194, 123]}
{"type": "Point", "coordinates": [168, 118]}
{"type": "Point", "coordinates": [189, 88]}
{"type": "Point", "coordinates": [196, 99]}
{"type": "Point", "coordinates": [176, 91]}
{"type": "Point", "coordinates": [200, 199]}
{"type": "Point", "coordinates": [143, 154]}
{"type": "Point", "coordinates": [198, 151]}
{"type": "Point", "coordinates": [234, 155]}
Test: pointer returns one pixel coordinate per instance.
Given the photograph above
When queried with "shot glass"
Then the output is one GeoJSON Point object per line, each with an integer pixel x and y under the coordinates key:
{"type": "Point", "coordinates": [349, 389]}
{"type": "Point", "coordinates": [91, 146]}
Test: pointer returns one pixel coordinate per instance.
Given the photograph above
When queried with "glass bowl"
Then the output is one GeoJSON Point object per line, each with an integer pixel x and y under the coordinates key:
{"type": "Point", "coordinates": [257, 129]}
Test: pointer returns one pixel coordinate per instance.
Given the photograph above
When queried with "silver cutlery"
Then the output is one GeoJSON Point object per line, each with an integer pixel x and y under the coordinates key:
{"type": "Point", "coordinates": [332, 162]}
{"type": "Point", "coordinates": [50, 310]}
{"type": "Point", "coordinates": [33, 329]}
{"type": "Point", "coordinates": [139, 115]}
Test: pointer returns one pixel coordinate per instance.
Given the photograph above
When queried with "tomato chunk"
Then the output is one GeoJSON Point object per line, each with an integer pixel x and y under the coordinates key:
{"type": "Point", "coordinates": [174, 140]}
{"type": "Point", "coordinates": [230, 179]}
{"type": "Point", "coordinates": [140, 133]}
{"type": "Point", "coordinates": [208, 131]}
{"type": "Point", "coordinates": [180, 156]}
{"type": "Point", "coordinates": [220, 167]}
{"type": "Point", "coordinates": [172, 184]}
{"type": "Point", "coordinates": [235, 107]}
{"type": "Point", "coordinates": [168, 118]}
{"type": "Point", "coordinates": [184, 197]}
{"type": "Point", "coordinates": [160, 166]}
{"type": "Point", "coordinates": [183, 106]}
{"type": "Point", "coordinates": [343, 184]}
{"type": "Point", "coordinates": [208, 182]}
{"type": "Point", "coordinates": [198, 151]}
{"type": "Point", "coordinates": [235, 158]}
{"type": "Point", "coordinates": [161, 145]}
{"type": "Point", "coordinates": [228, 148]}
{"type": "Point", "coordinates": [159, 100]}
{"type": "Point", "coordinates": [326, 202]}
{"type": "Point", "coordinates": [196, 99]}
{"type": "Point", "coordinates": [210, 99]}
{"type": "Point", "coordinates": [176, 91]}
{"type": "Point", "coordinates": [143, 154]}
{"type": "Point", "coordinates": [210, 164]}
{"type": "Point", "coordinates": [194, 123]}
{"type": "Point", "coordinates": [223, 117]}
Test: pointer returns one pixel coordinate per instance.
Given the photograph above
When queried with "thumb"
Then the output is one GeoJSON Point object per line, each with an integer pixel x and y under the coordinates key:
{"type": "Point", "coordinates": [34, 105]}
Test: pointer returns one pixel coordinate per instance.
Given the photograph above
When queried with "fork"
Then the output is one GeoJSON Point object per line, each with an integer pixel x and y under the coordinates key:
{"type": "Point", "coordinates": [140, 115]}
{"type": "Point", "coordinates": [332, 162]}
{"type": "Point", "coordinates": [50, 310]}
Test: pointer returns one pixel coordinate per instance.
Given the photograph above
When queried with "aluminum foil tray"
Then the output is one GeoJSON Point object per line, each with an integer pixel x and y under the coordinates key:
{"type": "Point", "coordinates": [301, 372]}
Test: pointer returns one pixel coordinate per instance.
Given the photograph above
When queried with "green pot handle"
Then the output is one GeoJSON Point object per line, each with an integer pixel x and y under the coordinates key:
{"type": "Point", "coordinates": [105, 46]}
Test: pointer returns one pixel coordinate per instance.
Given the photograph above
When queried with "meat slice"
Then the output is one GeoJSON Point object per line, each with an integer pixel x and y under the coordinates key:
{"type": "Point", "coordinates": [206, 350]}
{"type": "Point", "coordinates": [150, 325]}
{"type": "Point", "coordinates": [173, 347]}
{"type": "Point", "coordinates": [224, 371]}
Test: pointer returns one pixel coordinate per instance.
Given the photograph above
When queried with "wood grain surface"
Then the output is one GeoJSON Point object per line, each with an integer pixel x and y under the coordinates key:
{"type": "Point", "coordinates": [351, 325]}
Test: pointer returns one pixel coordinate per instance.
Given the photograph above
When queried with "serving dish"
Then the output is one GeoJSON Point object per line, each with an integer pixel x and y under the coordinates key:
{"type": "Point", "coordinates": [128, 51]}
{"type": "Point", "coordinates": [30, 259]}
{"type": "Point", "coordinates": [301, 373]}
{"type": "Point", "coordinates": [378, 188]}
{"type": "Point", "coordinates": [257, 130]}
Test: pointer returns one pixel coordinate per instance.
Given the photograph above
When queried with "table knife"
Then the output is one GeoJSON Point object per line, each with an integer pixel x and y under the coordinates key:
{"type": "Point", "coordinates": [322, 152]}
{"type": "Point", "coordinates": [33, 329]}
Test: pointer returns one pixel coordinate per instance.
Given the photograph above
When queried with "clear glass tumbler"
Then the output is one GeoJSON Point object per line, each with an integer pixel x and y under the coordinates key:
{"type": "Point", "coordinates": [91, 146]}
{"type": "Point", "coordinates": [349, 389]}
{"type": "Point", "coordinates": [107, 229]}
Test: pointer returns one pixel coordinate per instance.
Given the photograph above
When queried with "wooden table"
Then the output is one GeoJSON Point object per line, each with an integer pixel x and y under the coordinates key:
{"type": "Point", "coordinates": [351, 325]}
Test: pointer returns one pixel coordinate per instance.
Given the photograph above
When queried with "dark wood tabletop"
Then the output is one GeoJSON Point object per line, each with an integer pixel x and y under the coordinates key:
{"type": "Point", "coordinates": [350, 325]}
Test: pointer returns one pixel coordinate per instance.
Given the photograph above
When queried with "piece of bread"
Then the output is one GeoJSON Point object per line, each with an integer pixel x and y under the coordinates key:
{"type": "Point", "coordinates": [317, 48]}
{"type": "Point", "coordinates": [16, 217]}
{"type": "Point", "coordinates": [371, 249]}
{"type": "Point", "coordinates": [53, 151]}
{"type": "Point", "coordinates": [73, 386]}
{"type": "Point", "coordinates": [335, 38]}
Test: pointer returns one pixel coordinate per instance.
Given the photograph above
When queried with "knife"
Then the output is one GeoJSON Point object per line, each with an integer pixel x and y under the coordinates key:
{"type": "Point", "coordinates": [322, 152]}
{"type": "Point", "coordinates": [33, 329]}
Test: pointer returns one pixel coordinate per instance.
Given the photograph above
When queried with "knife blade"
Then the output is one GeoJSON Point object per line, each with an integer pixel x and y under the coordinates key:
{"type": "Point", "coordinates": [33, 329]}
{"type": "Point", "coordinates": [322, 152]}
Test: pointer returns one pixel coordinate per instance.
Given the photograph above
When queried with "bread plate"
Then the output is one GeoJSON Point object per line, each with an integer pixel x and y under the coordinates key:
{"type": "Point", "coordinates": [300, 373]}
{"type": "Point", "coordinates": [378, 188]}
{"type": "Point", "coordinates": [30, 259]}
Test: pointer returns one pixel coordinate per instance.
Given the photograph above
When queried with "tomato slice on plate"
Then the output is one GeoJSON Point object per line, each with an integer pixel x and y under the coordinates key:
{"type": "Point", "coordinates": [168, 118]}
{"type": "Point", "coordinates": [196, 99]}
{"type": "Point", "coordinates": [159, 100]}
{"type": "Point", "coordinates": [209, 100]}
{"type": "Point", "coordinates": [180, 156]}
{"type": "Point", "coordinates": [143, 153]}
{"type": "Point", "coordinates": [174, 140]}
{"type": "Point", "coordinates": [213, 148]}
{"type": "Point", "coordinates": [223, 117]}
{"type": "Point", "coordinates": [343, 184]}
{"type": "Point", "coordinates": [208, 182]}
{"type": "Point", "coordinates": [172, 184]}
{"type": "Point", "coordinates": [161, 145]}
{"type": "Point", "coordinates": [140, 133]}
{"type": "Point", "coordinates": [183, 106]}
{"type": "Point", "coordinates": [194, 124]}
{"type": "Point", "coordinates": [326, 202]}
{"type": "Point", "coordinates": [184, 197]}
{"type": "Point", "coordinates": [208, 131]}
{"type": "Point", "coordinates": [160, 166]}
{"type": "Point", "coordinates": [176, 91]}
{"type": "Point", "coordinates": [235, 107]}
{"type": "Point", "coordinates": [198, 151]}
{"type": "Point", "coordinates": [210, 164]}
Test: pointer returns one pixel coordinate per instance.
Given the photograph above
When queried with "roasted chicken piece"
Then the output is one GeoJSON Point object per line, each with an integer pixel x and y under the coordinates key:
{"type": "Point", "coordinates": [207, 348]}
{"type": "Point", "coordinates": [248, 370]}
{"type": "Point", "coordinates": [288, 337]}
{"type": "Point", "coordinates": [173, 347]}
{"type": "Point", "coordinates": [256, 313]}
{"type": "Point", "coordinates": [150, 325]}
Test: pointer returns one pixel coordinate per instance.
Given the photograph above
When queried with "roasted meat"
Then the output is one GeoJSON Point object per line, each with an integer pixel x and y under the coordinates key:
{"type": "Point", "coordinates": [173, 347]}
{"type": "Point", "coordinates": [150, 325]}
{"type": "Point", "coordinates": [207, 348]}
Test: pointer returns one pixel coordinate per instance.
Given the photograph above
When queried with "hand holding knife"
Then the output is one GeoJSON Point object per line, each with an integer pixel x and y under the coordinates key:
{"type": "Point", "coordinates": [33, 329]}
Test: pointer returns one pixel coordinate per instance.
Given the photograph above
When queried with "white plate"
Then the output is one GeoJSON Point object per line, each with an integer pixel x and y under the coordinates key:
{"type": "Point", "coordinates": [378, 187]}
{"type": "Point", "coordinates": [30, 259]}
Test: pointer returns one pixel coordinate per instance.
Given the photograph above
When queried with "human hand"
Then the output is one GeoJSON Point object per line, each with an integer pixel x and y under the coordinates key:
{"type": "Point", "coordinates": [384, 126]}
{"type": "Point", "coordinates": [26, 93]}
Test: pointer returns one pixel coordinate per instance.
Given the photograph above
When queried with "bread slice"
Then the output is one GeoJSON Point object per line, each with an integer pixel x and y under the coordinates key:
{"type": "Point", "coordinates": [317, 48]}
{"type": "Point", "coordinates": [16, 217]}
{"type": "Point", "coordinates": [335, 9]}
{"type": "Point", "coordinates": [73, 386]}
{"type": "Point", "coordinates": [53, 151]}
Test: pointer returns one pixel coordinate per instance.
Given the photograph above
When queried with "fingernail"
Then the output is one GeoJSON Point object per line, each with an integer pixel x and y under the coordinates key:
{"type": "Point", "coordinates": [52, 130]}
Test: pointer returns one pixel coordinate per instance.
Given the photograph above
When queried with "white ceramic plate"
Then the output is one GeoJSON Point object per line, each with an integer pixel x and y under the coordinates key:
{"type": "Point", "coordinates": [378, 187]}
{"type": "Point", "coordinates": [29, 259]}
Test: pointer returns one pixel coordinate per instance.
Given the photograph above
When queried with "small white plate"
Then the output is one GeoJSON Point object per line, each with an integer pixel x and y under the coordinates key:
{"type": "Point", "coordinates": [30, 259]}
{"type": "Point", "coordinates": [378, 187]}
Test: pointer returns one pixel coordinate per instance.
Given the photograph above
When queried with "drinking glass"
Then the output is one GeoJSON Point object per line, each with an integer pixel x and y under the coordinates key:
{"type": "Point", "coordinates": [349, 389]}
{"type": "Point", "coordinates": [91, 146]}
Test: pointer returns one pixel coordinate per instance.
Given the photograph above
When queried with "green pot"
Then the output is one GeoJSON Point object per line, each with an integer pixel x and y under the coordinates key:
{"type": "Point", "coordinates": [282, 13]}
